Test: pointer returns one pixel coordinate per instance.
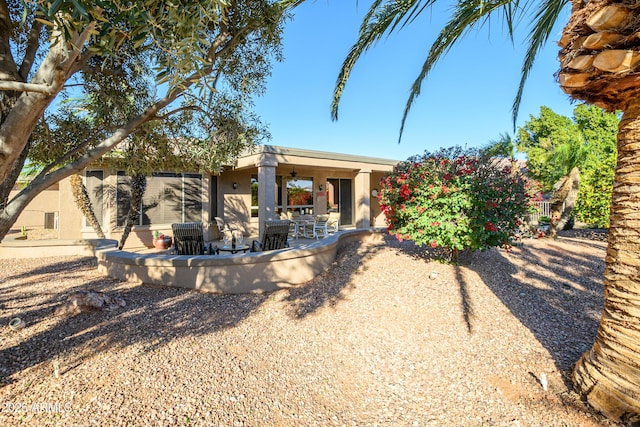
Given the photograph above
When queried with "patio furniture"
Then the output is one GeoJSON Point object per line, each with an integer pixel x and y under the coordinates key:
{"type": "Point", "coordinates": [231, 249]}
{"type": "Point", "coordinates": [274, 236]}
{"type": "Point", "coordinates": [333, 224]}
{"type": "Point", "coordinates": [321, 225]}
{"type": "Point", "coordinates": [188, 238]}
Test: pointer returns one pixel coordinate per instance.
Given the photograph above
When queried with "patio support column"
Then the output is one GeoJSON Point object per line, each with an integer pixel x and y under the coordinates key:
{"type": "Point", "coordinates": [266, 190]}
{"type": "Point", "coordinates": [362, 198]}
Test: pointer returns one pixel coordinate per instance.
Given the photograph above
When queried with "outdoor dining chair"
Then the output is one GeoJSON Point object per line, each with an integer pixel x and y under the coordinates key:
{"type": "Point", "coordinates": [274, 236]}
{"type": "Point", "coordinates": [333, 224]}
{"type": "Point", "coordinates": [188, 238]}
{"type": "Point", "coordinates": [321, 225]}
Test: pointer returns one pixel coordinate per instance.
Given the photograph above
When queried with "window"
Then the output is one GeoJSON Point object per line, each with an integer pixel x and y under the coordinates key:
{"type": "Point", "coordinates": [168, 198]}
{"type": "Point", "coordinates": [300, 195]}
{"type": "Point", "coordinates": [95, 190]}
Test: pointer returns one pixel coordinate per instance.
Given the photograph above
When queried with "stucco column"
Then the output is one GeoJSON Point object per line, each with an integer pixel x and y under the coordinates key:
{"type": "Point", "coordinates": [363, 199]}
{"type": "Point", "coordinates": [266, 190]}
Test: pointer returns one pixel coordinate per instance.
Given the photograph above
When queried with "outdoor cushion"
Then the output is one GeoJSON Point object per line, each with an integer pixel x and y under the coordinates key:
{"type": "Point", "coordinates": [274, 236]}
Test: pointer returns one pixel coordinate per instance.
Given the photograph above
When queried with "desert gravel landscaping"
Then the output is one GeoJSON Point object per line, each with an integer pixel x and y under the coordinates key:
{"type": "Point", "coordinates": [372, 342]}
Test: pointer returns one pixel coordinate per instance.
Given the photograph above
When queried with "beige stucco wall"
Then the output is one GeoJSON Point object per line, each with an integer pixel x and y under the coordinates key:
{"type": "Point", "coordinates": [233, 204]}
{"type": "Point", "coordinates": [33, 215]}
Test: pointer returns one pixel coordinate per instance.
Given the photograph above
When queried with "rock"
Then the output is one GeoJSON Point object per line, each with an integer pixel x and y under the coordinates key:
{"type": "Point", "coordinates": [86, 301]}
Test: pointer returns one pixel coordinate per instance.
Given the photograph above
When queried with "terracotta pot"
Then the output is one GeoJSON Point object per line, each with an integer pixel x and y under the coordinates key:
{"type": "Point", "coordinates": [162, 243]}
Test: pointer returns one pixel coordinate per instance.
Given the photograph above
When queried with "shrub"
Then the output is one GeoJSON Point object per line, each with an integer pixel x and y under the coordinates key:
{"type": "Point", "coordinates": [455, 199]}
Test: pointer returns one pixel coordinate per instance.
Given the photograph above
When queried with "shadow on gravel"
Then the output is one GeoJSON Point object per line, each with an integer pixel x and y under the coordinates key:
{"type": "Point", "coordinates": [329, 287]}
{"type": "Point", "coordinates": [153, 316]}
{"type": "Point", "coordinates": [562, 311]}
{"type": "Point", "coordinates": [563, 314]}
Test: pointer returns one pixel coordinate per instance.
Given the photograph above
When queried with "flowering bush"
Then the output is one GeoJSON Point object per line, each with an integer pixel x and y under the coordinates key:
{"type": "Point", "coordinates": [455, 199]}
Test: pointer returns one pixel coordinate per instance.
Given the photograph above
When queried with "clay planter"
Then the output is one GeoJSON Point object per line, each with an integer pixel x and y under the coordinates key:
{"type": "Point", "coordinates": [162, 243]}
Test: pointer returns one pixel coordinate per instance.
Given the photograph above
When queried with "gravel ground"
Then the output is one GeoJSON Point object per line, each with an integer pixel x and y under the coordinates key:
{"type": "Point", "coordinates": [372, 342]}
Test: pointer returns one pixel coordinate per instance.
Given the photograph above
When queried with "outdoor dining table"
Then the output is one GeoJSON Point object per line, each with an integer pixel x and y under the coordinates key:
{"type": "Point", "coordinates": [301, 224]}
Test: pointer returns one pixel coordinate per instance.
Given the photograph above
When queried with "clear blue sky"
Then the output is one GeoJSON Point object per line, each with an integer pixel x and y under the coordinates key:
{"type": "Point", "coordinates": [466, 100]}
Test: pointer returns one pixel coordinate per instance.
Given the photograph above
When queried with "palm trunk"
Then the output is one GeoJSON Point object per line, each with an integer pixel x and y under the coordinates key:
{"type": "Point", "coordinates": [570, 200]}
{"type": "Point", "coordinates": [83, 202]}
{"type": "Point", "coordinates": [608, 375]}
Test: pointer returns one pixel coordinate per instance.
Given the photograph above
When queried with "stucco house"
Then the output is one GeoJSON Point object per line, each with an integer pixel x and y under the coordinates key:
{"type": "Point", "coordinates": [259, 186]}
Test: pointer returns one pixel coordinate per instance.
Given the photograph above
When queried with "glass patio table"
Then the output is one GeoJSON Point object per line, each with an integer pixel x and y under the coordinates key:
{"type": "Point", "coordinates": [238, 248]}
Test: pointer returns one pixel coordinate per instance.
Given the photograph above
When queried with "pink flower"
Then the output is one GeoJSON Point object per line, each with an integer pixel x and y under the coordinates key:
{"type": "Point", "coordinates": [434, 244]}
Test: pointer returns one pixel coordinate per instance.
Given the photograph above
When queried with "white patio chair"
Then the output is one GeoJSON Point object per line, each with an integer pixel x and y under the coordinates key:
{"type": "Point", "coordinates": [321, 225]}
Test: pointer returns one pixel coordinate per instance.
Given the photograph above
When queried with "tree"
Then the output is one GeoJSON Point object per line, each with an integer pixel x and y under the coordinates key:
{"type": "Point", "coordinates": [196, 62]}
{"type": "Point", "coordinates": [598, 62]}
{"type": "Point", "coordinates": [83, 202]}
{"type": "Point", "coordinates": [556, 151]}
{"type": "Point", "coordinates": [600, 130]}
{"type": "Point", "coordinates": [556, 144]}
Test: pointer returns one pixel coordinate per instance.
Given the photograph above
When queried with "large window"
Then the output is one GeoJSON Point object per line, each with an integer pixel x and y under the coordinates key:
{"type": "Point", "coordinates": [300, 195]}
{"type": "Point", "coordinates": [95, 190]}
{"type": "Point", "coordinates": [169, 198]}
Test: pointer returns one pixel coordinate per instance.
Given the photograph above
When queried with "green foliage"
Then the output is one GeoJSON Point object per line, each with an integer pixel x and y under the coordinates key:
{"type": "Point", "coordinates": [133, 52]}
{"type": "Point", "coordinates": [597, 174]}
{"type": "Point", "coordinates": [456, 199]}
{"type": "Point", "coordinates": [554, 144]}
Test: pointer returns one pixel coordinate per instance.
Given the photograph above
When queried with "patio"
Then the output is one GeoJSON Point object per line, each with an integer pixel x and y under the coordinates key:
{"type": "Point", "coordinates": [232, 273]}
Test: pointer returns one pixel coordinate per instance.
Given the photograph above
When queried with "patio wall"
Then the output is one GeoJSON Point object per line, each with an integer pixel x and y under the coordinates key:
{"type": "Point", "coordinates": [239, 273]}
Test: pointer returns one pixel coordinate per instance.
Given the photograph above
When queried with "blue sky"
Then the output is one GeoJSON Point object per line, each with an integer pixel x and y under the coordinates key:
{"type": "Point", "coordinates": [466, 100]}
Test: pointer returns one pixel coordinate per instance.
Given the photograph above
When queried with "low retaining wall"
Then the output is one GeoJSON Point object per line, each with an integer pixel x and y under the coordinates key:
{"type": "Point", "coordinates": [227, 273]}
{"type": "Point", "coordinates": [238, 273]}
{"type": "Point", "coordinates": [17, 248]}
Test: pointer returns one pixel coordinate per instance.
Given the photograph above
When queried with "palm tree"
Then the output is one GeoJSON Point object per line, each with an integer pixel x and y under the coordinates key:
{"type": "Point", "coordinates": [599, 63]}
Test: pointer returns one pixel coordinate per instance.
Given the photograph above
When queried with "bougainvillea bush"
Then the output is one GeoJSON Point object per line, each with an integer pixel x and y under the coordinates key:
{"type": "Point", "coordinates": [455, 199]}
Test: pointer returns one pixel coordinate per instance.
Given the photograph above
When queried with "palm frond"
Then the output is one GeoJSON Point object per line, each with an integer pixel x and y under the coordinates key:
{"type": "Point", "coordinates": [467, 15]}
{"type": "Point", "coordinates": [383, 17]}
{"type": "Point", "coordinates": [543, 21]}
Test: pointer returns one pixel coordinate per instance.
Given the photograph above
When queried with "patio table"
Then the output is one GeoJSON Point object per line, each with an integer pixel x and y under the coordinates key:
{"type": "Point", "coordinates": [301, 226]}
{"type": "Point", "coordinates": [238, 248]}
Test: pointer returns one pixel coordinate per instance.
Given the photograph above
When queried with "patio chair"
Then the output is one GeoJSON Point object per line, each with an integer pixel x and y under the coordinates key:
{"type": "Point", "coordinates": [274, 236]}
{"type": "Point", "coordinates": [188, 238]}
{"type": "Point", "coordinates": [333, 224]}
{"type": "Point", "coordinates": [321, 225]}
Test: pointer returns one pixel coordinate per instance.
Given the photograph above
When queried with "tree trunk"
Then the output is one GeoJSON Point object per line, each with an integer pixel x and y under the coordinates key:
{"type": "Point", "coordinates": [570, 200]}
{"type": "Point", "coordinates": [138, 187]}
{"type": "Point", "coordinates": [7, 185]}
{"type": "Point", "coordinates": [563, 200]}
{"type": "Point", "coordinates": [83, 202]}
{"type": "Point", "coordinates": [608, 375]}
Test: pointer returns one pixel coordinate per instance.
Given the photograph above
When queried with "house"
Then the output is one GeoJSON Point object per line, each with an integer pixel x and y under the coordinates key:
{"type": "Point", "coordinates": [261, 185]}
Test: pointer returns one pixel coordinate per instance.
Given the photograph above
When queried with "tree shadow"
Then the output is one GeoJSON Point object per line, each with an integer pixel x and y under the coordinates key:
{"type": "Point", "coordinates": [152, 317]}
{"type": "Point", "coordinates": [332, 285]}
{"type": "Point", "coordinates": [556, 293]}
{"type": "Point", "coordinates": [552, 287]}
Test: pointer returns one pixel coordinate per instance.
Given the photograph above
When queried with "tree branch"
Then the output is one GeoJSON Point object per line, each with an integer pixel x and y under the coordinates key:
{"type": "Point", "coordinates": [33, 44]}
{"type": "Point", "coordinates": [8, 68]}
{"type": "Point", "coordinates": [177, 110]}
{"type": "Point", "coordinates": [27, 87]}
